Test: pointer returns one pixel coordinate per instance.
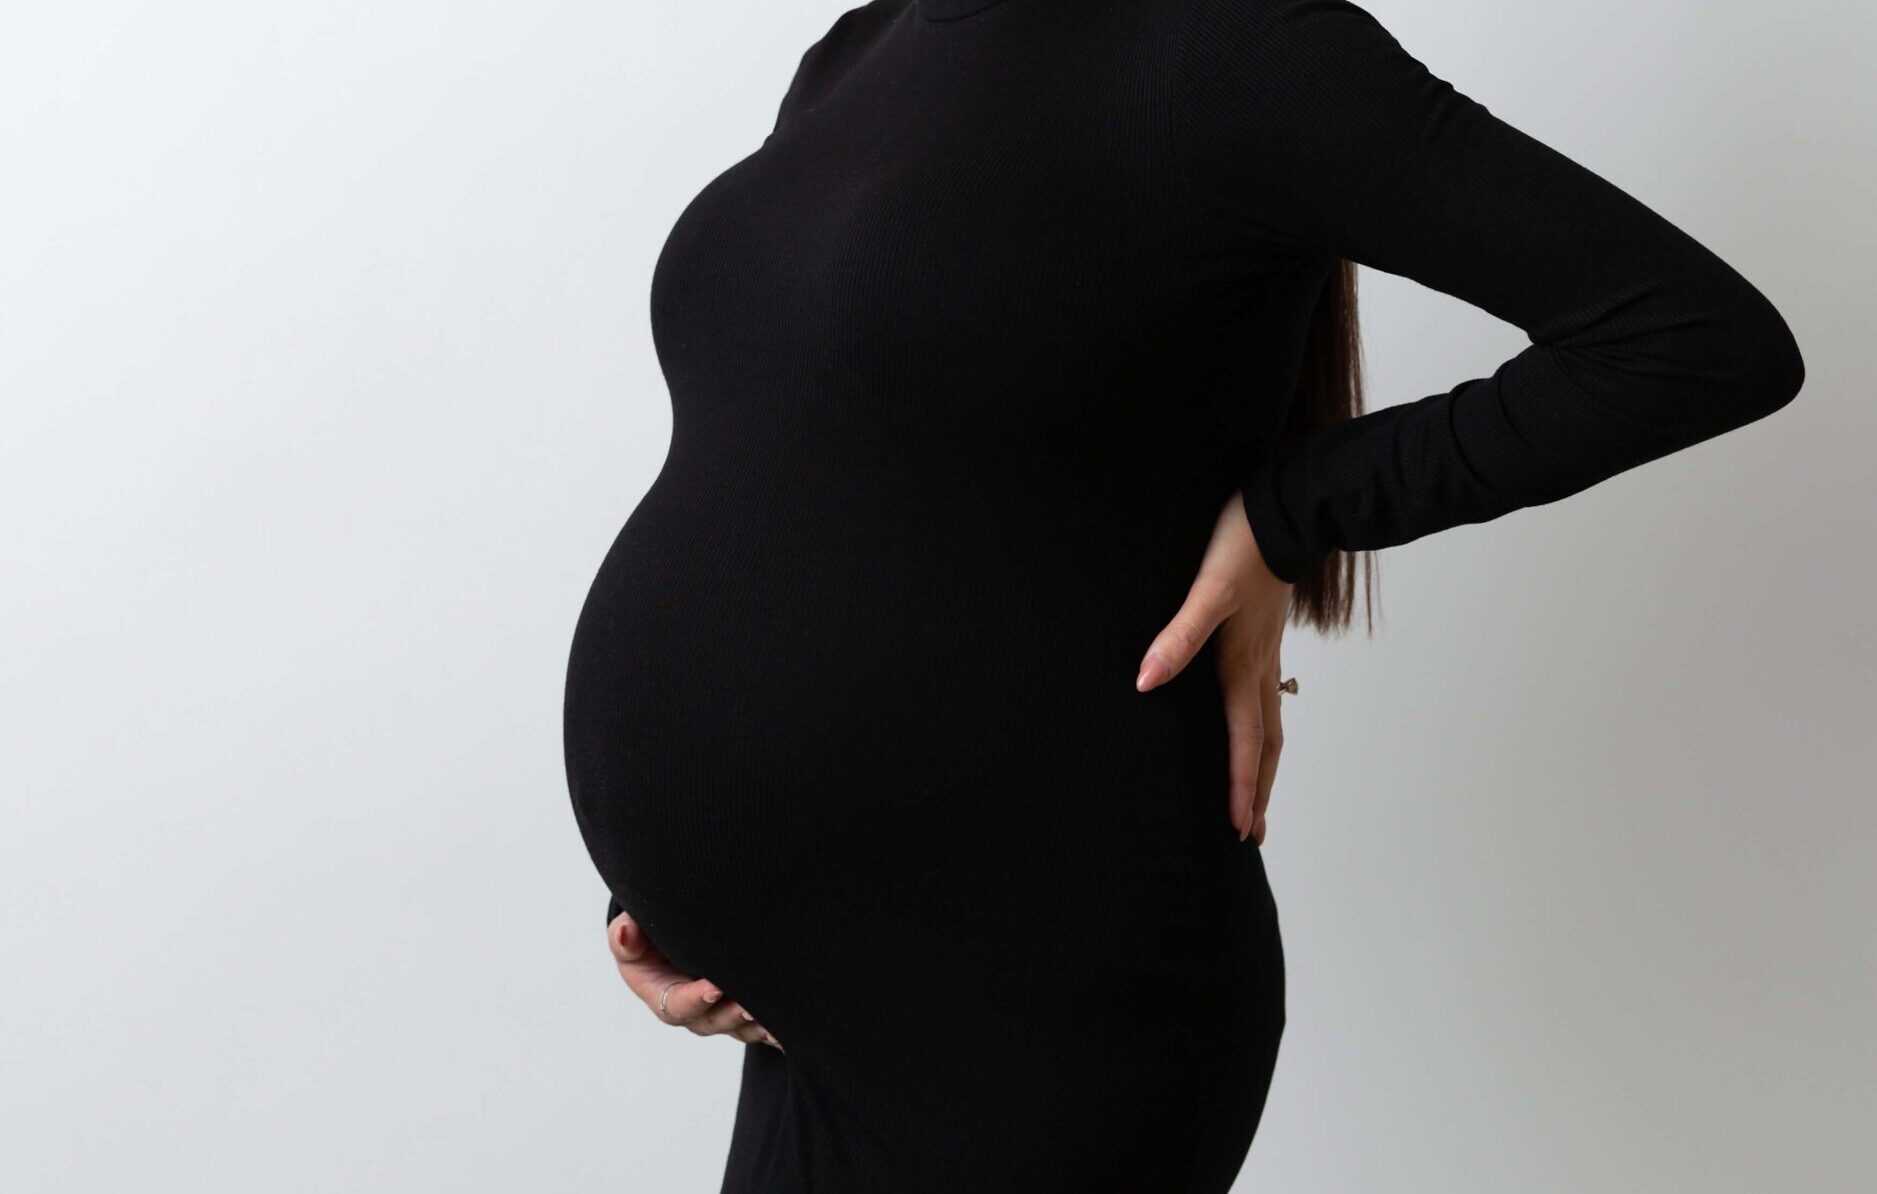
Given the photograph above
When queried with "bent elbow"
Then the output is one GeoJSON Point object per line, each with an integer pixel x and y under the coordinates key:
{"type": "Point", "coordinates": [1767, 369]}
{"type": "Point", "coordinates": [1784, 368]}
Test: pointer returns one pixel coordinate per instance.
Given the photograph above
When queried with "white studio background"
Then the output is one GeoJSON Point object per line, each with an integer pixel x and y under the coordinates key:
{"type": "Point", "coordinates": [327, 382]}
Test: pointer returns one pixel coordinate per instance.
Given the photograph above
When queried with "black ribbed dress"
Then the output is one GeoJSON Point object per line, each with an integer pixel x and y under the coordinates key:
{"type": "Point", "coordinates": [964, 360]}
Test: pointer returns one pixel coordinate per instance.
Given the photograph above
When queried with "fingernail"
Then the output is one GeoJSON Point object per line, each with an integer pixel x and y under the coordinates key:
{"type": "Point", "coordinates": [712, 995]}
{"type": "Point", "coordinates": [746, 1014]}
{"type": "Point", "coordinates": [1151, 671]}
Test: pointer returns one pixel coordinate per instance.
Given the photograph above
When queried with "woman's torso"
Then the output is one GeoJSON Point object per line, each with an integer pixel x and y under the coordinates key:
{"type": "Point", "coordinates": [958, 390]}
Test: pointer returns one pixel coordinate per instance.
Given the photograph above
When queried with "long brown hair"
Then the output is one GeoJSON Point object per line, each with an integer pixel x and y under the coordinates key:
{"type": "Point", "coordinates": [1329, 388]}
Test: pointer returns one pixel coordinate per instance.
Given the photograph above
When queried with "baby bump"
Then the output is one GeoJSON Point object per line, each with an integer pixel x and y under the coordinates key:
{"type": "Point", "coordinates": [846, 751]}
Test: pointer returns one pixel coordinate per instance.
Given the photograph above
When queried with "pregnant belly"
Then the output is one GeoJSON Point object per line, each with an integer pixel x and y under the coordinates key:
{"type": "Point", "coordinates": [884, 748]}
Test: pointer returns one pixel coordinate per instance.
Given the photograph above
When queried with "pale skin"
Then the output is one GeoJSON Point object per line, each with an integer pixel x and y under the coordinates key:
{"type": "Point", "coordinates": [1234, 598]}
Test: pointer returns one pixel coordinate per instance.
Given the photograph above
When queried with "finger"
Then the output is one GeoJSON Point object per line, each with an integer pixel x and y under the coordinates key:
{"type": "Point", "coordinates": [750, 1034]}
{"type": "Point", "coordinates": [644, 969]}
{"type": "Point", "coordinates": [672, 995]}
{"type": "Point", "coordinates": [726, 1016]}
{"type": "Point", "coordinates": [1273, 747]}
{"type": "Point", "coordinates": [1207, 604]}
{"type": "Point", "coordinates": [650, 974]}
{"type": "Point", "coordinates": [1244, 734]}
{"type": "Point", "coordinates": [628, 941]}
{"type": "Point", "coordinates": [734, 1020]}
{"type": "Point", "coordinates": [753, 1033]}
{"type": "Point", "coordinates": [687, 1001]}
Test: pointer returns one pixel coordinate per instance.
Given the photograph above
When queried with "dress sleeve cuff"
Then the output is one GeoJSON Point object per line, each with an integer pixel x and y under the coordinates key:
{"type": "Point", "coordinates": [1287, 553]}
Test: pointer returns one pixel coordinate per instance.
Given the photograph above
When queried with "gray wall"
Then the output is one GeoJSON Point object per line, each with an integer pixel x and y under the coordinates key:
{"type": "Point", "coordinates": [327, 381]}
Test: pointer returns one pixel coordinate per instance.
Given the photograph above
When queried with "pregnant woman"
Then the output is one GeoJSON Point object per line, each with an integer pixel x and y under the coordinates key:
{"type": "Point", "coordinates": [922, 718]}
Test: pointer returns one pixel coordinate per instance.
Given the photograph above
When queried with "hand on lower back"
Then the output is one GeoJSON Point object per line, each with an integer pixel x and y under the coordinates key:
{"type": "Point", "coordinates": [1236, 597]}
{"type": "Point", "coordinates": [694, 1003]}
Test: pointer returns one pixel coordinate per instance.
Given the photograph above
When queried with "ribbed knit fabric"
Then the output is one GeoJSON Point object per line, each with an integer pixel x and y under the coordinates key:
{"type": "Point", "coordinates": [964, 360]}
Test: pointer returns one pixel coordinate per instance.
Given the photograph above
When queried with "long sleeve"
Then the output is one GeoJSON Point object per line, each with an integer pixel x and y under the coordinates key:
{"type": "Point", "coordinates": [1306, 124]}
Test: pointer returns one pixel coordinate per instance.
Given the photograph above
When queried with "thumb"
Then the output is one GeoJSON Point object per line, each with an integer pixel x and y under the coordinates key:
{"type": "Point", "coordinates": [629, 941]}
{"type": "Point", "coordinates": [1207, 604]}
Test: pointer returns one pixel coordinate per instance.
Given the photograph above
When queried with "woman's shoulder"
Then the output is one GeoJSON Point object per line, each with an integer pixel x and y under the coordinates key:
{"type": "Point", "coordinates": [861, 23]}
{"type": "Point", "coordinates": [830, 55]}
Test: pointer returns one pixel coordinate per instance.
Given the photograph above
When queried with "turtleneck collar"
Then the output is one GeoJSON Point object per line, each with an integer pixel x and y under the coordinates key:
{"type": "Point", "coordinates": [951, 10]}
